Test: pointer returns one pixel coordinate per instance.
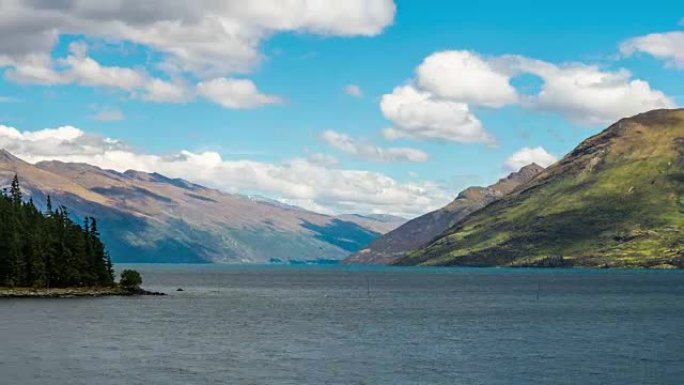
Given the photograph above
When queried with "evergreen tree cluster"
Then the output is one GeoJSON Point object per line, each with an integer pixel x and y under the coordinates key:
{"type": "Point", "coordinates": [48, 249]}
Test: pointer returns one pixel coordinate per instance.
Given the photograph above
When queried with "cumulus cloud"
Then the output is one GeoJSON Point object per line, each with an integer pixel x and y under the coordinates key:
{"type": "Point", "coordinates": [464, 76]}
{"type": "Point", "coordinates": [668, 46]}
{"type": "Point", "coordinates": [36, 69]}
{"type": "Point", "coordinates": [369, 151]}
{"type": "Point", "coordinates": [162, 91]}
{"type": "Point", "coordinates": [437, 104]}
{"type": "Point", "coordinates": [77, 67]}
{"type": "Point", "coordinates": [322, 159]}
{"type": "Point", "coordinates": [208, 38]}
{"type": "Point", "coordinates": [586, 94]}
{"type": "Point", "coordinates": [527, 155]}
{"type": "Point", "coordinates": [81, 69]}
{"type": "Point", "coordinates": [418, 114]}
{"type": "Point", "coordinates": [353, 90]}
{"type": "Point", "coordinates": [235, 93]}
{"type": "Point", "coordinates": [86, 71]}
{"type": "Point", "coordinates": [65, 141]}
{"type": "Point", "coordinates": [298, 181]}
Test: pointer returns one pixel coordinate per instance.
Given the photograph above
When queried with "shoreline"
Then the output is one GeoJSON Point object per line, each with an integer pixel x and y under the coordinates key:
{"type": "Point", "coordinates": [72, 292]}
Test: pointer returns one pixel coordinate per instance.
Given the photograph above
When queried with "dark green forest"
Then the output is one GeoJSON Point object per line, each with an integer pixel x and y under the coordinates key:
{"type": "Point", "coordinates": [48, 249]}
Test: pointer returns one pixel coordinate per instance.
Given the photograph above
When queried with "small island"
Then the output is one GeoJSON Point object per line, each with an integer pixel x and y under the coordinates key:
{"type": "Point", "coordinates": [47, 254]}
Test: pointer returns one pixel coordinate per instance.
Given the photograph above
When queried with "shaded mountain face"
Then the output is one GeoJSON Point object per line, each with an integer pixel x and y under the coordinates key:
{"type": "Point", "coordinates": [615, 200]}
{"type": "Point", "coordinates": [147, 217]}
{"type": "Point", "coordinates": [380, 223]}
{"type": "Point", "coordinates": [419, 231]}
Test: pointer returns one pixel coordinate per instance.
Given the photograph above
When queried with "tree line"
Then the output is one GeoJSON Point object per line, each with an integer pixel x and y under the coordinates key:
{"type": "Point", "coordinates": [48, 249]}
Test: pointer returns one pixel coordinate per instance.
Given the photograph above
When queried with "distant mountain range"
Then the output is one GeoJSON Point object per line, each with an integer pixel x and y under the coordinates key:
{"type": "Point", "coordinates": [419, 231]}
{"type": "Point", "coordinates": [616, 200]}
{"type": "Point", "coordinates": [147, 217]}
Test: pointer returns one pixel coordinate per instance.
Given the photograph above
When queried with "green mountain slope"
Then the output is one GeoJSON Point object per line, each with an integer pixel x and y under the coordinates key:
{"type": "Point", "coordinates": [419, 231]}
{"type": "Point", "coordinates": [615, 200]}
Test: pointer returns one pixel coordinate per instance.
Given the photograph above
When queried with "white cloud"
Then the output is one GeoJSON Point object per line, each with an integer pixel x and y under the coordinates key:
{"type": "Point", "coordinates": [668, 46]}
{"type": "Point", "coordinates": [206, 37]}
{"type": "Point", "coordinates": [464, 76]}
{"type": "Point", "coordinates": [322, 159]}
{"type": "Point", "coordinates": [353, 90]}
{"type": "Point", "coordinates": [86, 71]}
{"type": "Point", "coordinates": [109, 115]}
{"type": "Point", "coordinates": [235, 93]}
{"type": "Point", "coordinates": [65, 141]}
{"type": "Point", "coordinates": [418, 114]}
{"type": "Point", "coordinates": [81, 69]}
{"type": "Point", "coordinates": [436, 105]}
{"type": "Point", "coordinates": [36, 69]}
{"type": "Point", "coordinates": [296, 180]}
{"type": "Point", "coordinates": [157, 90]}
{"type": "Point", "coordinates": [369, 151]}
{"type": "Point", "coordinates": [527, 155]}
{"type": "Point", "coordinates": [77, 67]}
{"type": "Point", "coordinates": [586, 94]}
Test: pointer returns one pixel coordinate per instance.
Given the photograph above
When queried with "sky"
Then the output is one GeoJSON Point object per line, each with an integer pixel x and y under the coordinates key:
{"type": "Point", "coordinates": [361, 106]}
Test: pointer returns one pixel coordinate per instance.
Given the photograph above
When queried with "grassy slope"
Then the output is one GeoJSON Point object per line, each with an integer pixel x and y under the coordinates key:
{"type": "Point", "coordinates": [421, 230]}
{"type": "Point", "coordinates": [616, 200]}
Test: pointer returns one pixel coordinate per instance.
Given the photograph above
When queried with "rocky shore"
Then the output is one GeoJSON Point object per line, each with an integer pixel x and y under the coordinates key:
{"type": "Point", "coordinates": [25, 292]}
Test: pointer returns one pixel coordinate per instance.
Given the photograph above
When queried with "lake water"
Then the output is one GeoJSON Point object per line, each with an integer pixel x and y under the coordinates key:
{"type": "Point", "coordinates": [355, 325]}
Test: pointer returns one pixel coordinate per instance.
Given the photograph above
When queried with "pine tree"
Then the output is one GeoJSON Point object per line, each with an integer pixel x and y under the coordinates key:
{"type": "Point", "coordinates": [48, 206]}
{"type": "Point", "coordinates": [101, 261]}
{"type": "Point", "coordinates": [15, 190]}
{"type": "Point", "coordinates": [48, 249]}
{"type": "Point", "coordinates": [6, 265]}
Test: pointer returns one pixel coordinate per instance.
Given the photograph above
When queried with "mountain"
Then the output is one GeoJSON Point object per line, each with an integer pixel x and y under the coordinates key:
{"type": "Point", "coordinates": [419, 231]}
{"type": "Point", "coordinates": [614, 201]}
{"type": "Point", "coordinates": [380, 223]}
{"type": "Point", "coordinates": [147, 217]}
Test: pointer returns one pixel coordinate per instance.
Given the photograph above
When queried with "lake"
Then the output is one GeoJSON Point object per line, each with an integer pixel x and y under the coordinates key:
{"type": "Point", "coordinates": [355, 325]}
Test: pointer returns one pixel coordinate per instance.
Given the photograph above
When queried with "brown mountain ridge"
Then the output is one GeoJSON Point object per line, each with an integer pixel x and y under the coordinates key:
{"type": "Point", "coordinates": [616, 200]}
{"type": "Point", "coordinates": [147, 217]}
{"type": "Point", "coordinates": [419, 231]}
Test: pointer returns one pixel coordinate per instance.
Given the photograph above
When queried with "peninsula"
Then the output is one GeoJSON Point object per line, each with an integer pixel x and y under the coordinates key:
{"type": "Point", "coordinates": [47, 254]}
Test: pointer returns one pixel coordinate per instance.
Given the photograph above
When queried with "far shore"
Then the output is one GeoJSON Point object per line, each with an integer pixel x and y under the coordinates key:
{"type": "Point", "coordinates": [70, 292]}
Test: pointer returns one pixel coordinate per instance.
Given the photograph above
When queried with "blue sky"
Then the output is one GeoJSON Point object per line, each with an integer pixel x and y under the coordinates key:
{"type": "Point", "coordinates": [280, 123]}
